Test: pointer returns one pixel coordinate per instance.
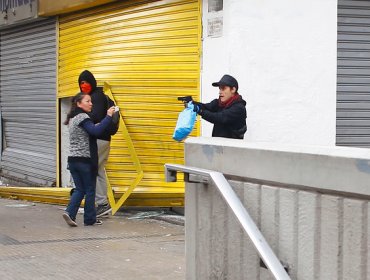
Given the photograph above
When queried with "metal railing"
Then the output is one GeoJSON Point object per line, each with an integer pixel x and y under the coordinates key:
{"type": "Point", "coordinates": [263, 249]}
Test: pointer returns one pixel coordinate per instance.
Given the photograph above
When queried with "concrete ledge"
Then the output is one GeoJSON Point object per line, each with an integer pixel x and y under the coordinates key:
{"type": "Point", "coordinates": [338, 169]}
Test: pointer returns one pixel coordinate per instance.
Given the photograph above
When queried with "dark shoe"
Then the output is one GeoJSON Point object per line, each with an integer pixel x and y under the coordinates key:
{"type": "Point", "coordinates": [69, 220]}
{"type": "Point", "coordinates": [103, 210]}
{"type": "Point", "coordinates": [98, 222]}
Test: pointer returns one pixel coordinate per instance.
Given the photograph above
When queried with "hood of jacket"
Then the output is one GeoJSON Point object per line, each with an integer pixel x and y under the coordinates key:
{"type": "Point", "coordinates": [87, 76]}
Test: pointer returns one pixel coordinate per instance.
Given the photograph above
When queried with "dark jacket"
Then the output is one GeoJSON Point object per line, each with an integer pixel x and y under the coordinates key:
{"type": "Point", "coordinates": [229, 122]}
{"type": "Point", "coordinates": [101, 103]}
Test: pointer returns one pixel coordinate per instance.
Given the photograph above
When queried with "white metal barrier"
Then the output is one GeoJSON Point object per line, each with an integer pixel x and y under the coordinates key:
{"type": "Point", "coordinates": [263, 249]}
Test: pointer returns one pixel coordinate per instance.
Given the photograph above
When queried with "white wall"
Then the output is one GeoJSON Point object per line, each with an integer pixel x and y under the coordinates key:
{"type": "Point", "coordinates": [65, 105]}
{"type": "Point", "coordinates": [284, 55]}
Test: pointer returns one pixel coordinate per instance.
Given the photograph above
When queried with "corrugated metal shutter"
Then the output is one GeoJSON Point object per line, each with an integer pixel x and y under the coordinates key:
{"type": "Point", "coordinates": [28, 99]}
{"type": "Point", "coordinates": [353, 81]}
{"type": "Point", "coordinates": [149, 53]}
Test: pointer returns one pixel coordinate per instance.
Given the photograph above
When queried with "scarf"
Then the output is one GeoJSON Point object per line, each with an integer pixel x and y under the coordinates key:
{"type": "Point", "coordinates": [229, 102]}
{"type": "Point", "coordinates": [77, 111]}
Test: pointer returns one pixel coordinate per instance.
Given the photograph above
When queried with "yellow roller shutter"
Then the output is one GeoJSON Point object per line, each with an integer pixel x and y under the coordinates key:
{"type": "Point", "coordinates": [149, 53]}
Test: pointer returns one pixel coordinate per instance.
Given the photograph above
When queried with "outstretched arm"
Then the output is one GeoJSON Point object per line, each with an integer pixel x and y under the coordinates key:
{"type": "Point", "coordinates": [98, 129]}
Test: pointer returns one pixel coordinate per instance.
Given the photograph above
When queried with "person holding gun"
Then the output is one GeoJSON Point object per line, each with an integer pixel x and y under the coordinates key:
{"type": "Point", "coordinates": [228, 112]}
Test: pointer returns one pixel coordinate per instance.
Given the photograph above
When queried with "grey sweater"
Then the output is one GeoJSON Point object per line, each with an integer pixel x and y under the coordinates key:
{"type": "Point", "coordinates": [78, 137]}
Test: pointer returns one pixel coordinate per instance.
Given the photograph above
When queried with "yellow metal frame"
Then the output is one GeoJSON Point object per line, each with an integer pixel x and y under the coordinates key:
{"type": "Point", "coordinates": [115, 205]}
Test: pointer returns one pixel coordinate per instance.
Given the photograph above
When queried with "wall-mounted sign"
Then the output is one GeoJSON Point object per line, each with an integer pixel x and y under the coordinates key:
{"type": "Point", "coordinates": [16, 12]}
{"type": "Point", "coordinates": [215, 5]}
{"type": "Point", "coordinates": [7, 4]}
{"type": "Point", "coordinates": [215, 26]}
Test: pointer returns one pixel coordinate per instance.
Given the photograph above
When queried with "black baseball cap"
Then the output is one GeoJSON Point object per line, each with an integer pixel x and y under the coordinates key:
{"type": "Point", "coordinates": [227, 80]}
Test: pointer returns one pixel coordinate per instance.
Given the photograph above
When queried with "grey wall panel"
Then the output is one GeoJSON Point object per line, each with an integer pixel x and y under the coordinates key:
{"type": "Point", "coordinates": [317, 236]}
{"type": "Point", "coordinates": [28, 102]}
{"type": "Point", "coordinates": [353, 78]}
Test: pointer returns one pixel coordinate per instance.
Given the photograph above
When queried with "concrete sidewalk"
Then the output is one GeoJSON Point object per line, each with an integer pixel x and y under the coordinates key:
{"type": "Point", "coordinates": [36, 243]}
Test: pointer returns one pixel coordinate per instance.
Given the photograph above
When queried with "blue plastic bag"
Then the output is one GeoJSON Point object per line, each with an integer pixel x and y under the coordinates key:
{"type": "Point", "coordinates": [185, 123]}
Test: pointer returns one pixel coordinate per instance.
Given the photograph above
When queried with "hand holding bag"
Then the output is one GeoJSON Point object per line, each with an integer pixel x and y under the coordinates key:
{"type": "Point", "coordinates": [185, 123]}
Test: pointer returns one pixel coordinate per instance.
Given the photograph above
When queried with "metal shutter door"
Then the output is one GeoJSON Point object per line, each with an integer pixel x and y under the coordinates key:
{"type": "Point", "coordinates": [149, 53]}
{"type": "Point", "coordinates": [353, 78]}
{"type": "Point", "coordinates": [28, 99]}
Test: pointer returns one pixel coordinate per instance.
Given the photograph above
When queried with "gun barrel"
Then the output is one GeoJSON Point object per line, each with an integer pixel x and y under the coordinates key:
{"type": "Point", "coordinates": [185, 98]}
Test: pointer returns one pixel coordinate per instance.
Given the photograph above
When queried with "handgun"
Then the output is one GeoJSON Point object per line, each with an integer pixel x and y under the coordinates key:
{"type": "Point", "coordinates": [185, 99]}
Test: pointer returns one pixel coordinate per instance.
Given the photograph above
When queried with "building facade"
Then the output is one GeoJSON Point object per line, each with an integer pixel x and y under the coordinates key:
{"type": "Point", "coordinates": [301, 67]}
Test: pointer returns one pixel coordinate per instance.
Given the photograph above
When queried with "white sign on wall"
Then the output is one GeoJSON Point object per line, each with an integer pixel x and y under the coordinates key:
{"type": "Point", "coordinates": [215, 5]}
{"type": "Point", "coordinates": [215, 27]}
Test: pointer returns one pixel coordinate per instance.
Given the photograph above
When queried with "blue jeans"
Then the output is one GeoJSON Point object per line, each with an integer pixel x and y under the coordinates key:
{"type": "Point", "coordinates": [85, 181]}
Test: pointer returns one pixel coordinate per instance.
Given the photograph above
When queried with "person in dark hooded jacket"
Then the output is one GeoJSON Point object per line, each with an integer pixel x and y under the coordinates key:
{"type": "Point", "coordinates": [228, 112]}
{"type": "Point", "coordinates": [101, 102]}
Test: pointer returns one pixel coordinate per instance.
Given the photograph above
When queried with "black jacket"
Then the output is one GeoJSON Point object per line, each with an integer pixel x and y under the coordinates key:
{"type": "Point", "coordinates": [229, 122]}
{"type": "Point", "coordinates": [101, 103]}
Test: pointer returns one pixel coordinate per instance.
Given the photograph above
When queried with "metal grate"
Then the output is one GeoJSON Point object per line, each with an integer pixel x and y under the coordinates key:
{"type": "Point", "coordinates": [27, 93]}
{"type": "Point", "coordinates": [353, 75]}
